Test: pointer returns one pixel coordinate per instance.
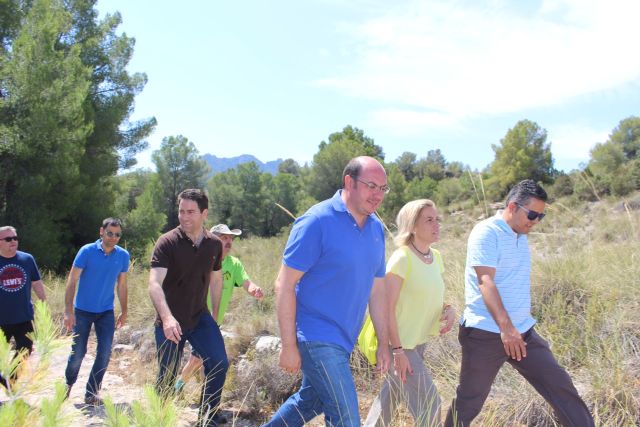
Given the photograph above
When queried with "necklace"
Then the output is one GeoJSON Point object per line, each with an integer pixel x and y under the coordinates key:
{"type": "Point", "coordinates": [428, 256]}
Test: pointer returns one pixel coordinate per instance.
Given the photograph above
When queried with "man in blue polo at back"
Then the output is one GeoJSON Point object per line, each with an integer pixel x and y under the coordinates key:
{"type": "Point", "coordinates": [333, 265]}
{"type": "Point", "coordinates": [97, 268]}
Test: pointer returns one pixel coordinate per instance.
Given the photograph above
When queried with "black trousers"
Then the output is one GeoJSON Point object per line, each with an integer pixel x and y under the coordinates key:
{"type": "Point", "coordinates": [482, 357]}
{"type": "Point", "coordinates": [18, 331]}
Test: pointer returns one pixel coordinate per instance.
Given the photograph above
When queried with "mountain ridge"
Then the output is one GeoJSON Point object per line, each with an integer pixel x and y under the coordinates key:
{"type": "Point", "coordinates": [222, 164]}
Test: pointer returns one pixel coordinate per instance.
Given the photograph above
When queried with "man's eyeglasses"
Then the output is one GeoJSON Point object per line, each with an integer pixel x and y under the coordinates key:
{"type": "Point", "coordinates": [112, 234]}
{"type": "Point", "coordinates": [8, 239]}
{"type": "Point", "coordinates": [371, 186]}
{"type": "Point", "coordinates": [532, 215]}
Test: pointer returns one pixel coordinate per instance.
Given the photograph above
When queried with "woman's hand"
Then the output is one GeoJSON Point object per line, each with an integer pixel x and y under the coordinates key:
{"type": "Point", "coordinates": [401, 365]}
{"type": "Point", "coordinates": [448, 318]}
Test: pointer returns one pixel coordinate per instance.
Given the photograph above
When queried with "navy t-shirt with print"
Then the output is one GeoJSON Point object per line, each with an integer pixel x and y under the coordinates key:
{"type": "Point", "coordinates": [16, 275]}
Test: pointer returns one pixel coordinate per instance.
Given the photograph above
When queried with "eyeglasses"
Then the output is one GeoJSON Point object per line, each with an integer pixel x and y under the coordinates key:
{"type": "Point", "coordinates": [532, 215]}
{"type": "Point", "coordinates": [8, 239]}
{"type": "Point", "coordinates": [112, 234]}
{"type": "Point", "coordinates": [371, 186]}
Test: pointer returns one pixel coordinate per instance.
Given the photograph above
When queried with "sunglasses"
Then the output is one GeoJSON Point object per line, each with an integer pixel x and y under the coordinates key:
{"type": "Point", "coordinates": [112, 234]}
{"type": "Point", "coordinates": [8, 239]}
{"type": "Point", "coordinates": [532, 215]}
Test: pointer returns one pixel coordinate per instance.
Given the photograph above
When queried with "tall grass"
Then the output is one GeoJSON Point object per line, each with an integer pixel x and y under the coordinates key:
{"type": "Point", "coordinates": [585, 295]}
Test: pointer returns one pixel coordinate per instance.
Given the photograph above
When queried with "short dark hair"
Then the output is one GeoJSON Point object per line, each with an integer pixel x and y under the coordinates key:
{"type": "Point", "coordinates": [114, 222]}
{"type": "Point", "coordinates": [353, 169]}
{"type": "Point", "coordinates": [523, 191]}
{"type": "Point", "coordinates": [197, 195]}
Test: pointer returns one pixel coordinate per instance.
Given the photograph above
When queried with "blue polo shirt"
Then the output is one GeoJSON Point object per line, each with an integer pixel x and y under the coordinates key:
{"type": "Point", "coordinates": [339, 261]}
{"type": "Point", "coordinates": [16, 275]}
{"type": "Point", "coordinates": [99, 276]}
{"type": "Point", "coordinates": [492, 243]}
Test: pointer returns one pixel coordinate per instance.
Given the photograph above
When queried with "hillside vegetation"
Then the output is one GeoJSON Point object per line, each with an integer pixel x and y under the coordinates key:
{"type": "Point", "coordinates": [586, 297]}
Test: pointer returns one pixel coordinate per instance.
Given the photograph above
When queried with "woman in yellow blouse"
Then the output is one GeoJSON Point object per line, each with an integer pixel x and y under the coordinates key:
{"type": "Point", "coordinates": [415, 291]}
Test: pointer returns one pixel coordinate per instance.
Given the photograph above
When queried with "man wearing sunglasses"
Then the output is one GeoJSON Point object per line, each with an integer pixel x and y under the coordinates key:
{"type": "Point", "coordinates": [18, 275]}
{"type": "Point", "coordinates": [98, 268]}
{"type": "Point", "coordinates": [497, 325]}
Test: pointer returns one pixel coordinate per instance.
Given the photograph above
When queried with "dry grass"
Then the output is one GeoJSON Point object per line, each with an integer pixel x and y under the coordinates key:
{"type": "Point", "coordinates": [586, 297]}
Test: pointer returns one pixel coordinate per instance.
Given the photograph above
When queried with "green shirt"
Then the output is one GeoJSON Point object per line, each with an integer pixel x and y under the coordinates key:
{"type": "Point", "coordinates": [234, 275]}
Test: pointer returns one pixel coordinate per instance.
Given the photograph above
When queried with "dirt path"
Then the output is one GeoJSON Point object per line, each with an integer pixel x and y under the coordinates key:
{"type": "Point", "coordinates": [119, 384]}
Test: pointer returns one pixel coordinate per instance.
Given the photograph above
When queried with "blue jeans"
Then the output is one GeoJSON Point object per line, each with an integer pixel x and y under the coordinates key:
{"type": "Point", "coordinates": [206, 340]}
{"type": "Point", "coordinates": [105, 325]}
{"type": "Point", "coordinates": [327, 387]}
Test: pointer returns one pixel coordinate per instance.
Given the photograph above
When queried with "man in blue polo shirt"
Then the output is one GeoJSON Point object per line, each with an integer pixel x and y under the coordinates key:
{"type": "Point", "coordinates": [497, 325]}
{"type": "Point", "coordinates": [96, 270]}
{"type": "Point", "coordinates": [333, 265]}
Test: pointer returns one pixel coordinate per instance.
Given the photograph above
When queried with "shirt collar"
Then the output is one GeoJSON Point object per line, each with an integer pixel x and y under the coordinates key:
{"type": "Point", "coordinates": [99, 245]}
{"type": "Point", "coordinates": [337, 203]}
{"type": "Point", "coordinates": [502, 223]}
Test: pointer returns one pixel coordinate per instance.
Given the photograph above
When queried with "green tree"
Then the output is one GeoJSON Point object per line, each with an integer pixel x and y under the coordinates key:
{"type": "Point", "coordinates": [396, 197]}
{"type": "Point", "coordinates": [328, 163]}
{"type": "Point", "coordinates": [627, 136]}
{"type": "Point", "coordinates": [421, 189]}
{"type": "Point", "coordinates": [606, 158]}
{"type": "Point", "coordinates": [523, 153]}
{"type": "Point", "coordinates": [455, 169]}
{"type": "Point", "coordinates": [433, 165]}
{"type": "Point", "coordinates": [43, 131]}
{"type": "Point", "coordinates": [179, 166]}
{"type": "Point", "coordinates": [144, 223]}
{"type": "Point", "coordinates": [407, 165]}
{"type": "Point", "coordinates": [289, 166]}
{"type": "Point", "coordinates": [65, 99]}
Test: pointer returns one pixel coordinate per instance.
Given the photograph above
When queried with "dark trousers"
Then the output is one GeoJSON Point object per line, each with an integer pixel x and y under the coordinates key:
{"type": "Point", "coordinates": [482, 357]}
{"type": "Point", "coordinates": [18, 331]}
{"type": "Point", "coordinates": [206, 340]}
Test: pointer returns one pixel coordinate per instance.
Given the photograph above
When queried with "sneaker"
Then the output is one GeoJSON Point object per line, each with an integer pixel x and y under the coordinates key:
{"type": "Point", "coordinates": [93, 400]}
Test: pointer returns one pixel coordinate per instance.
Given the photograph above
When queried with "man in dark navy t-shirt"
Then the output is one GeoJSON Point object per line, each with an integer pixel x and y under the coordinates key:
{"type": "Point", "coordinates": [18, 274]}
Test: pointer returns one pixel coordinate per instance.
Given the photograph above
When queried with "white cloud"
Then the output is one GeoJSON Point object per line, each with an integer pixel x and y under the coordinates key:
{"type": "Point", "coordinates": [574, 141]}
{"type": "Point", "coordinates": [459, 60]}
{"type": "Point", "coordinates": [409, 122]}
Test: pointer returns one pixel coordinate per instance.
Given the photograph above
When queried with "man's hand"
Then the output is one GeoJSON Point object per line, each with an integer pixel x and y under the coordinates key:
{"type": "Point", "coordinates": [69, 320]}
{"type": "Point", "coordinates": [383, 357]}
{"type": "Point", "coordinates": [122, 319]}
{"type": "Point", "coordinates": [290, 359]}
{"type": "Point", "coordinates": [514, 345]}
{"type": "Point", "coordinates": [255, 290]}
{"type": "Point", "coordinates": [172, 330]}
{"type": "Point", "coordinates": [448, 318]}
{"type": "Point", "coordinates": [401, 365]}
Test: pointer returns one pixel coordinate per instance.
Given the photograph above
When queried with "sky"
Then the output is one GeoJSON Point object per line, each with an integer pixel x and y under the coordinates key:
{"type": "Point", "coordinates": [275, 78]}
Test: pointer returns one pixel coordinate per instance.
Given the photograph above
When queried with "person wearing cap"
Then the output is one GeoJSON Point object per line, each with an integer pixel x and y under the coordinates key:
{"type": "Point", "coordinates": [234, 275]}
{"type": "Point", "coordinates": [18, 275]}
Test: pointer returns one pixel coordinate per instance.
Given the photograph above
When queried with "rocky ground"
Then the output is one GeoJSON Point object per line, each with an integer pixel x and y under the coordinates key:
{"type": "Point", "coordinates": [245, 404]}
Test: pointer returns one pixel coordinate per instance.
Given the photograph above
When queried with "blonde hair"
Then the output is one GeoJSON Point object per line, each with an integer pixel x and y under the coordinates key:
{"type": "Point", "coordinates": [407, 218]}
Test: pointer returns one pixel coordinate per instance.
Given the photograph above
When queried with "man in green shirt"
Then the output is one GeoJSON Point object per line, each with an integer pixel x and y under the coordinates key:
{"type": "Point", "coordinates": [234, 276]}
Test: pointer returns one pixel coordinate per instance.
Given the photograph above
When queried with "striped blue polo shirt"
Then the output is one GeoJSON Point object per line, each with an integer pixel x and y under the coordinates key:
{"type": "Point", "coordinates": [492, 243]}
